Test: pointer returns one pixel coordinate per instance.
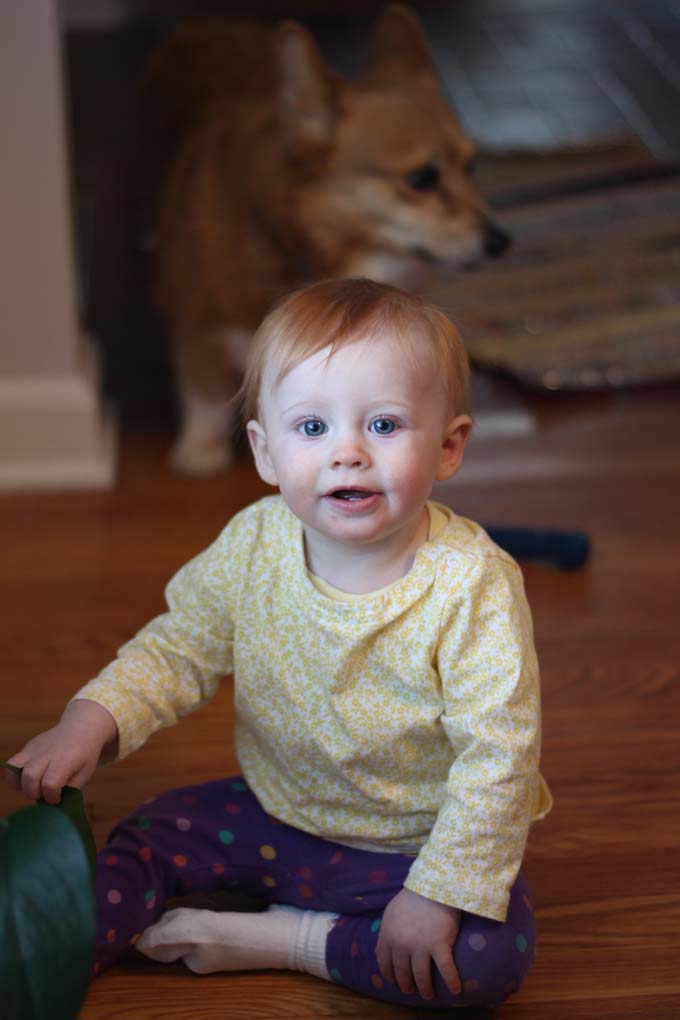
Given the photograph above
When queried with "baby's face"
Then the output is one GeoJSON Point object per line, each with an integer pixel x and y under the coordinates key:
{"type": "Point", "coordinates": [354, 441]}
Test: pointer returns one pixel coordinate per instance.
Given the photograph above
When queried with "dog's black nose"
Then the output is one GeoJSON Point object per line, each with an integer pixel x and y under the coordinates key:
{"type": "Point", "coordinates": [496, 241]}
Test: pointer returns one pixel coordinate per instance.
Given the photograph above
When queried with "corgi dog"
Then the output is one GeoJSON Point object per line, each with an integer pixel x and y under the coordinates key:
{"type": "Point", "coordinates": [282, 172]}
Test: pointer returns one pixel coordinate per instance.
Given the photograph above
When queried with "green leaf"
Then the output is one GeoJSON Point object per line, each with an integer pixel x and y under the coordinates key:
{"type": "Point", "coordinates": [47, 915]}
{"type": "Point", "coordinates": [73, 806]}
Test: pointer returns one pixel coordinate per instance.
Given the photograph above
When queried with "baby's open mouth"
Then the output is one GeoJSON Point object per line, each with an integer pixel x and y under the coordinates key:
{"type": "Point", "coordinates": [351, 495]}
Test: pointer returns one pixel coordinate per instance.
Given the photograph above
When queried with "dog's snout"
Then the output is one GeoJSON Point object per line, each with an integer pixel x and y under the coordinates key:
{"type": "Point", "coordinates": [496, 241]}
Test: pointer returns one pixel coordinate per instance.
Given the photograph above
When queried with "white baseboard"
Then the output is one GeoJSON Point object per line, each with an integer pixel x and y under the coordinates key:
{"type": "Point", "coordinates": [53, 434]}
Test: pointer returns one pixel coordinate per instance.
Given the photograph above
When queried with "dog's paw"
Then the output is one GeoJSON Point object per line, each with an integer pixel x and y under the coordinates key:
{"type": "Point", "coordinates": [201, 457]}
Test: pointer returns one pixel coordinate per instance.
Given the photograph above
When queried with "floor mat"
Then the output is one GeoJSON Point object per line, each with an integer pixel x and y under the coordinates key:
{"type": "Point", "coordinates": [589, 296]}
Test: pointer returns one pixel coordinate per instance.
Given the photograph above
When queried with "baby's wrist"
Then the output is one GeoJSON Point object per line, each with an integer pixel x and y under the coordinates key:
{"type": "Point", "coordinates": [97, 719]}
{"type": "Point", "coordinates": [447, 907]}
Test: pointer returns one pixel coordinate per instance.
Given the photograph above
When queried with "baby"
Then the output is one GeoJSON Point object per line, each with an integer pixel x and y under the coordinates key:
{"type": "Point", "coordinates": [386, 686]}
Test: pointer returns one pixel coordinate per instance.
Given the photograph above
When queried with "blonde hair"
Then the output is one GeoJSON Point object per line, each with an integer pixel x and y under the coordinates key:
{"type": "Point", "coordinates": [336, 313]}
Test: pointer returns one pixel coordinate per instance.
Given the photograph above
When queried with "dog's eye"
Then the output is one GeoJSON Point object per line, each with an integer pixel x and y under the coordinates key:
{"type": "Point", "coordinates": [424, 178]}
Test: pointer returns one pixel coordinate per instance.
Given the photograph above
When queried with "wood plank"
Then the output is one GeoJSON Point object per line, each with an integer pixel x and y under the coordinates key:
{"type": "Point", "coordinates": [168, 993]}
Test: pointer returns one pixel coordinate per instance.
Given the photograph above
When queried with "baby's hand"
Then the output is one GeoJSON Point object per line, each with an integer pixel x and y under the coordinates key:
{"type": "Point", "coordinates": [67, 754]}
{"type": "Point", "coordinates": [414, 932]}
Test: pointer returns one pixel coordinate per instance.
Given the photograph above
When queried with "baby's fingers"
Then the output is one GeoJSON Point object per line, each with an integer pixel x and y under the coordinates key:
{"type": "Point", "coordinates": [384, 957]}
{"type": "Point", "coordinates": [443, 958]}
{"type": "Point", "coordinates": [403, 971]}
{"type": "Point", "coordinates": [395, 967]}
{"type": "Point", "coordinates": [32, 780]}
{"type": "Point", "coordinates": [422, 972]}
{"type": "Point", "coordinates": [52, 783]}
{"type": "Point", "coordinates": [42, 777]}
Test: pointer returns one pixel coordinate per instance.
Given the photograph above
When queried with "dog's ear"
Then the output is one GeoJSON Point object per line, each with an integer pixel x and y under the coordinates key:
{"type": "Point", "coordinates": [307, 92]}
{"type": "Point", "coordinates": [399, 48]}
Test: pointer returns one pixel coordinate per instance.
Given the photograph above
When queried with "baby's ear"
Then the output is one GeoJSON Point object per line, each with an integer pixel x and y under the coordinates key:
{"type": "Point", "coordinates": [453, 447]}
{"type": "Point", "coordinates": [258, 444]}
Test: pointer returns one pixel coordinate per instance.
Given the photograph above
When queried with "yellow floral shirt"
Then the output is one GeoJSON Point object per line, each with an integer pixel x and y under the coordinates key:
{"type": "Point", "coordinates": [407, 720]}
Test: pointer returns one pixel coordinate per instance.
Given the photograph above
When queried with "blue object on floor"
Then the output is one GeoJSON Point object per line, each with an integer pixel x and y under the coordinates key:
{"type": "Point", "coordinates": [567, 550]}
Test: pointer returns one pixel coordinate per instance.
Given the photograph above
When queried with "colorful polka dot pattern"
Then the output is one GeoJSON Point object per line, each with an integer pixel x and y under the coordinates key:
{"type": "Point", "coordinates": [492, 958]}
{"type": "Point", "coordinates": [165, 857]}
{"type": "Point", "coordinates": [462, 605]}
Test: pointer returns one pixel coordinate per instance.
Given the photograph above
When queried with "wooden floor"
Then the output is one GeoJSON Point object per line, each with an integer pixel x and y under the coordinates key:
{"type": "Point", "coordinates": [80, 572]}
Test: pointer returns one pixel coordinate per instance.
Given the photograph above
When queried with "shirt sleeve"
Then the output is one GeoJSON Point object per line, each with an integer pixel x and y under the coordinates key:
{"type": "Point", "coordinates": [173, 665]}
{"type": "Point", "coordinates": [490, 689]}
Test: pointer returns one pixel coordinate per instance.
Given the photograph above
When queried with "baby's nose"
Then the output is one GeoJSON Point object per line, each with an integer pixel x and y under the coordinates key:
{"type": "Point", "coordinates": [350, 452]}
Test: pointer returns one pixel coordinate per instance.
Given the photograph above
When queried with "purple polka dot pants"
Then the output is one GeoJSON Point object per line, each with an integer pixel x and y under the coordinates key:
{"type": "Point", "coordinates": [201, 839]}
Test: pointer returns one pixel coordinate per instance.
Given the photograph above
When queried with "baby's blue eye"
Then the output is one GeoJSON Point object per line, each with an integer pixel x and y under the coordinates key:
{"type": "Point", "coordinates": [383, 426]}
{"type": "Point", "coordinates": [313, 427]}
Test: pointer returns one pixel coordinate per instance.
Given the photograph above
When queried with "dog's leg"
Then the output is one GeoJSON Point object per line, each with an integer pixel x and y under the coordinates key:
{"type": "Point", "coordinates": [208, 366]}
{"type": "Point", "coordinates": [204, 444]}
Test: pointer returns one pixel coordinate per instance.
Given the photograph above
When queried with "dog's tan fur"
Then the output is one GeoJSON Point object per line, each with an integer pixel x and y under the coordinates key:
{"type": "Point", "coordinates": [284, 171]}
